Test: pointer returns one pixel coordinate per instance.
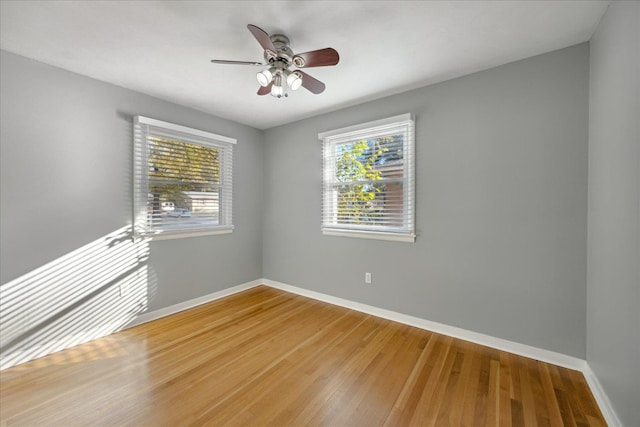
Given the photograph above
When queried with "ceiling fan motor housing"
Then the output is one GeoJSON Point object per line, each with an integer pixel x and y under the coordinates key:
{"type": "Point", "coordinates": [284, 52]}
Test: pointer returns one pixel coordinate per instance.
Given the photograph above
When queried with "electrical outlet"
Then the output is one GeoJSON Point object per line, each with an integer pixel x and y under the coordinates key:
{"type": "Point", "coordinates": [367, 278]}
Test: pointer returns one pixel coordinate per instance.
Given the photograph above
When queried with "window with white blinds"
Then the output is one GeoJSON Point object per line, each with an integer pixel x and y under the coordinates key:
{"type": "Point", "coordinates": [368, 183]}
{"type": "Point", "coordinates": [182, 180]}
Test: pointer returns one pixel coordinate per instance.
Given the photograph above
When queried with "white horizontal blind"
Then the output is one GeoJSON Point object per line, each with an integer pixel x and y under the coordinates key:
{"type": "Point", "coordinates": [182, 180]}
{"type": "Point", "coordinates": [368, 183]}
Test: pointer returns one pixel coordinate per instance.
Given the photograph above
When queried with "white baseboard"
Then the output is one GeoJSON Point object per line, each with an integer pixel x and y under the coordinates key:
{"type": "Point", "coordinates": [176, 308]}
{"type": "Point", "coordinates": [478, 338]}
{"type": "Point", "coordinates": [601, 397]}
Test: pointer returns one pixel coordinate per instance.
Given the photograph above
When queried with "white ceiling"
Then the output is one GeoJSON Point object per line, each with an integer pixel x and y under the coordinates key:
{"type": "Point", "coordinates": [163, 48]}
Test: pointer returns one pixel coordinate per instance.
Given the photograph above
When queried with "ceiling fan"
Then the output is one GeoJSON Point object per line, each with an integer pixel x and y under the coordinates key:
{"type": "Point", "coordinates": [280, 58]}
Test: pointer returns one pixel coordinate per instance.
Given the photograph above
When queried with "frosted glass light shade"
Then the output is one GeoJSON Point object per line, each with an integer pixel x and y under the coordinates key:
{"type": "Point", "coordinates": [277, 91]}
{"type": "Point", "coordinates": [264, 78]}
{"type": "Point", "coordinates": [294, 80]}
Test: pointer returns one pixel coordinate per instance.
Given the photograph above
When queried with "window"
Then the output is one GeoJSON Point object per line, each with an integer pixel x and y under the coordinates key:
{"type": "Point", "coordinates": [182, 180]}
{"type": "Point", "coordinates": [368, 185]}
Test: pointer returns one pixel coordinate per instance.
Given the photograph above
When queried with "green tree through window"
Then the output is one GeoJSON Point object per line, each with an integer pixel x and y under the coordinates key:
{"type": "Point", "coordinates": [356, 174]}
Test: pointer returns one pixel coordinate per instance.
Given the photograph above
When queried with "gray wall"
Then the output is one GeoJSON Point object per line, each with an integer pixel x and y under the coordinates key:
{"type": "Point", "coordinates": [613, 292]}
{"type": "Point", "coordinates": [66, 181]}
{"type": "Point", "coordinates": [501, 182]}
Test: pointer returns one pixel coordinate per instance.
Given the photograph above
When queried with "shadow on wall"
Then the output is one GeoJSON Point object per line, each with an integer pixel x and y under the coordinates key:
{"type": "Point", "coordinates": [86, 294]}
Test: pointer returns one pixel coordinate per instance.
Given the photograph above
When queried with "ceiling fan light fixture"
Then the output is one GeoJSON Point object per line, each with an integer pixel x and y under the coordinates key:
{"type": "Point", "coordinates": [264, 78]}
{"type": "Point", "coordinates": [294, 80]}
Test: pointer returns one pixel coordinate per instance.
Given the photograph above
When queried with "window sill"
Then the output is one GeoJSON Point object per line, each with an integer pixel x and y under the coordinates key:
{"type": "Point", "coordinates": [375, 235]}
{"type": "Point", "coordinates": [169, 235]}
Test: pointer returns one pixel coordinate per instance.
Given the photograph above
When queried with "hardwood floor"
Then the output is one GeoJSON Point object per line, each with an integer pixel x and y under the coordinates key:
{"type": "Point", "coordinates": [267, 357]}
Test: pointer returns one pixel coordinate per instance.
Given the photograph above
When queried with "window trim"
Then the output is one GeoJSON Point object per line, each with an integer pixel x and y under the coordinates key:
{"type": "Point", "coordinates": [335, 136]}
{"type": "Point", "coordinates": [177, 128]}
{"type": "Point", "coordinates": [141, 179]}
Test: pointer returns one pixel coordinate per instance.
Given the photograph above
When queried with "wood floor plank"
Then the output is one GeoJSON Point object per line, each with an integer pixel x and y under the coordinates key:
{"type": "Point", "coordinates": [555, 417]}
{"type": "Point", "coordinates": [267, 357]}
{"type": "Point", "coordinates": [452, 409]}
{"type": "Point", "coordinates": [505, 416]}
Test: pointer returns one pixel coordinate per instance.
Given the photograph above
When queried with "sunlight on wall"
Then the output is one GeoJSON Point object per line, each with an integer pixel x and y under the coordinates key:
{"type": "Point", "coordinates": [85, 294]}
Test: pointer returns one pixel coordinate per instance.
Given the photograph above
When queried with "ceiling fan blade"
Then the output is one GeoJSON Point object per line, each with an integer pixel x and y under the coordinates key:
{"type": "Point", "coordinates": [224, 61]}
{"type": "Point", "coordinates": [262, 37]}
{"type": "Point", "coordinates": [317, 58]}
{"type": "Point", "coordinates": [311, 84]}
{"type": "Point", "coordinates": [264, 90]}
